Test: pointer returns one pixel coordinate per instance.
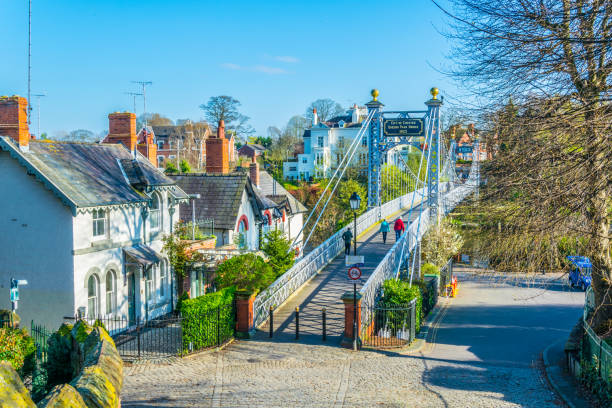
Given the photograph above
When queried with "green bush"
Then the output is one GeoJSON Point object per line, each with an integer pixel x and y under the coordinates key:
{"type": "Point", "coordinates": [247, 272]}
{"type": "Point", "coordinates": [18, 348]}
{"type": "Point", "coordinates": [170, 168]}
{"type": "Point", "coordinates": [59, 369]}
{"type": "Point", "coordinates": [179, 303]}
{"type": "Point", "coordinates": [591, 379]}
{"type": "Point", "coordinates": [206, 317]}
{"type": "Point", "coordinates": [397, 292]}
{"type": "Point", "coordinates": [185, 167]}
{"type": "Point", "coordinates": [430, 269]}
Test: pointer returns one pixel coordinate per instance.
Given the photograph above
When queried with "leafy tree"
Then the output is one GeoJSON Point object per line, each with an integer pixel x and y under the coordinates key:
{"type": "Point", "coordinates": [44, 136]}
{"type": "Point", "coordinates": [185, 167]}
{"type": "Point", "coordinates": [177, 249]}
{"type": "Point", "coordinates": [225, 108]}
{"type": "Point", "coordinates": [80, 135]}
{"type": "Point", "coordinates": [170, 168]}
{"type": "Point", "coordinates": [247, 272]}
{"type": "Point", "coordinates": [345, 190]}
{"type": "Point", "coordinates": [278, 250]}
{"type": "Point", "coordinates": [326, 109]}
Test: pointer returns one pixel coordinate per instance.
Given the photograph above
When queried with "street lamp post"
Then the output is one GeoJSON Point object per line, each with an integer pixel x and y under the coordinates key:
{"type": "Point", "coordinates": [355, 202]}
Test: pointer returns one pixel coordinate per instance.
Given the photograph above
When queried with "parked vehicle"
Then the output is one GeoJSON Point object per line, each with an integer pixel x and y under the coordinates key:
{"type": "Point", "coordinates": [580, 273]}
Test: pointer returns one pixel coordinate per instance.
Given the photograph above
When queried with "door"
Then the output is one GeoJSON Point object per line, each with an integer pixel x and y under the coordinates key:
{"type": "Point", "coordinates": [131, 299]}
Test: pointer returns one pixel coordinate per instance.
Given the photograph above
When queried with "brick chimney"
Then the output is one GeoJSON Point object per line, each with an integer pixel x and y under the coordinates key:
{"type": "Point", "coordinates": [254, 171]}
{"type": "Point", "coordinates": [122, 129]}
{"type": "Point", "coordinates": [14, 119]}
{"type": "Point", "coordinates": [147, 146]}
{"type": "Point", "coordinates": [217, 152]}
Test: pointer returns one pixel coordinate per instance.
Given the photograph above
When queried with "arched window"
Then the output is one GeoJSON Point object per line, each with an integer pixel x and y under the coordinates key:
{"type": "Point", "coordinates": [163, 278]}
{"type": "Point", "coordinates": [92, 297]}
{"type": "Point", "coordinates": [155, 213]}
{"type": "Point", "coordinates": [111, 292]}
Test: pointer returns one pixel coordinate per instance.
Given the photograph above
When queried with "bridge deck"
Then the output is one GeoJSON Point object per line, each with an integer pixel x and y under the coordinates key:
{"type": "Point", "coordinates": [325, 290]}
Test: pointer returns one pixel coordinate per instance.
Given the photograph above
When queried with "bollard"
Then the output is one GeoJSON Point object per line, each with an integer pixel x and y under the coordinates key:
{"type": "Point", "coordinates": [324, 331]}
{"type": "Point", "coordinates": [271, 321]}
{"type": "Point", "coordinates": [297, 322]}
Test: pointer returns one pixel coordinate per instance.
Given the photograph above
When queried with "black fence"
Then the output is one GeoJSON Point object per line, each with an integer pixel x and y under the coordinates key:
{"type": "Point", "coordinates": [446, 277]}
{"type": "Point", "coordinates": [41, 335]}
{"type": "Point", "coordinates": [391, 325]}
{"type": "Point", "coordinates": [166, 336]}
{"type": "Point", "coordinates": [430, 294]}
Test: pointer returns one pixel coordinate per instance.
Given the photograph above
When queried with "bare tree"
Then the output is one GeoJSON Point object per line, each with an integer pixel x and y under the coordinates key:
{"type": "Point", "coordinates": [552, 57]}
{"type": "Point", "coordinates": [225, 108]}
{"type": "Point", "coordinates": [326, 109]}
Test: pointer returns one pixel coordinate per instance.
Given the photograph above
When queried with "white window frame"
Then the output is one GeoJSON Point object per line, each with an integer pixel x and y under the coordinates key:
{"type": "Point", "coordinates": [149, 276]}
{"type": "Point", "coordinates": [111, 293]}
{"type": "Point", "coordinates": [93, 299]}
{"type": "Point", "coordinates": [155, 213]}
{"type": "Point", "coordinates": [96, 221]}
{"type": "Point", "coordinates": [163, 277]}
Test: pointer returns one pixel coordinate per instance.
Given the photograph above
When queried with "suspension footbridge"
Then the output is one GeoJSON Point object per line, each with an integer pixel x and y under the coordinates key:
{"type": "Point", "coordinates": [317, 280]}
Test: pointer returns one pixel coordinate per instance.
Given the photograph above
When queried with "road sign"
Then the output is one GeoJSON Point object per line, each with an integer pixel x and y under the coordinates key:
{"type": "Point", "coordinates": [354, 273]}
{"type": "Point", "coordinates": [465, 149]}
{"type": "Point", "coordinates": [403, 127]}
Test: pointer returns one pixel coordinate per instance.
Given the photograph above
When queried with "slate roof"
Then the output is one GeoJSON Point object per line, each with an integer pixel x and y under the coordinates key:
{"type": "Point", "coordinates": [87, 175]}
{"type": "Point", "coordinates": [252, 147]}
{"type": "Point", "coordinates": [220, 197]}
{"type": "Point", "coordinates": [266, 187]}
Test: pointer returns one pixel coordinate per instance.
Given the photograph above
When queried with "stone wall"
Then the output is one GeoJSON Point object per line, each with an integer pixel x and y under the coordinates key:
{"type": "Point", "coordinates": [97, 374]}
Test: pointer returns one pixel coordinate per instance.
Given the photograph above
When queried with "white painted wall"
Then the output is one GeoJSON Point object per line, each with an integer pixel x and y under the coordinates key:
{"type": "Point", "coordinates": [35, 244]}
{"type": "Point", "coordinates": [252, 235]}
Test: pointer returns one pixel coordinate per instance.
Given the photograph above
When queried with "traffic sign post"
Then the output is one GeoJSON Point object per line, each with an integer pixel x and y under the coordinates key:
{"type": "Point", "coordinates": [15, 283]}
{"type": "Point", "coordinates": [354, 273]}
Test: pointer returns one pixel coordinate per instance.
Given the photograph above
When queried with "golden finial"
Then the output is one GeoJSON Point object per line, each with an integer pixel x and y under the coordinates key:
{"type": "Point", "coordinates": [374, 94]}
{"type": "Point", "coordinates": [434, 92]}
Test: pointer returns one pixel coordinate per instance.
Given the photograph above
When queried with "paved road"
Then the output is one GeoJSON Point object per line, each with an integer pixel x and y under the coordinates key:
{"type": "Point", "coordinates": [326, 288]}
{"type": "Point", "coordinates": [483, 352]}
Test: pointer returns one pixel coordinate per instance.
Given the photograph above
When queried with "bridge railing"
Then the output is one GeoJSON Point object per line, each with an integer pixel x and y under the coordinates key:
{"type": "Point", "coordinates": [308, 266]}
{"type": "Point", "coordinates": [390, 265]}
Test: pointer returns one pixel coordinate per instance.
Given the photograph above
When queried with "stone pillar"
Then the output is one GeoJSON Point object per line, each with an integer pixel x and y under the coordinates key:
{"type": "Point", "coordinates": [347, 336]}
{"type": "Point", "coordinates": [244, 315]}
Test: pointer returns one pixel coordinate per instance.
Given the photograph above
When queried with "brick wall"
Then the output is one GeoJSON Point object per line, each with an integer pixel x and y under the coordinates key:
{"type": "Point", "coordinates": [14, 119]}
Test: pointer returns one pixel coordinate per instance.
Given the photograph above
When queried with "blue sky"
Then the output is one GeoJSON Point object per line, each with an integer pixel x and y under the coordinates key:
{"type": "Point", "coordinates": [274, 56]}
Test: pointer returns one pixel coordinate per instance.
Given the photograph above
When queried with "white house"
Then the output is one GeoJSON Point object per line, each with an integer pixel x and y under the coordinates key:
{"type": "Point", "coordinates": [243, 207]}
{"type": "Point", "coordinates": [327, 143]}
{"type": "Point", "coordinates": [83, 223]}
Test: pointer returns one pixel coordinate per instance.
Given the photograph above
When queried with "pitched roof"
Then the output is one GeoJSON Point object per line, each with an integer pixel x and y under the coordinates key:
{"type": "Point", "coordinates": [273, 189]}
{"type": "Point", "coordinates": [220, 197]}
{"type": "Point", "coordinates": [89, 174]}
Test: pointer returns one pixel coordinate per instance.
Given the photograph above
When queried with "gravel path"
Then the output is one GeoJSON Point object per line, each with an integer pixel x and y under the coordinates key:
{"type": "Point", "coordinates": [484, 351]}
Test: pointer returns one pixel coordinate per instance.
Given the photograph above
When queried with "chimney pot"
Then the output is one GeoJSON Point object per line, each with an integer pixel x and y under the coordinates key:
{"type": "Point", "coordinates": [254, 171]}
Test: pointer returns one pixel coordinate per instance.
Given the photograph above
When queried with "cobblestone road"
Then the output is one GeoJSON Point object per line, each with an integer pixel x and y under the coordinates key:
{"type": "Point", "coordinates": [484, 352]}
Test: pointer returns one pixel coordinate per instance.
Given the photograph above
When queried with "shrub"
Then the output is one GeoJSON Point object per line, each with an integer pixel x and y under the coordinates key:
{"type": "Point", "coordinates": [591, 379]}
{"type": "Point", "coordinates": [247, 272]}
{"type": "Point", "coordinates": [59, 368]}
{"type": "Point", "coordinates": [398, 292]}
{"type": "Point", "coordinates": [18, 348]}
{"type": "Point", "coordinates": [179, 303]}
{"type": "Point", "coordinates": [185, 167]}
{"type": "Point", "coordinates": [430, 269]}
{"type": "Point", "coordinates": [170, 168]}
{"type": "Point", "coordinates": [278, 250]}
{"type": "Point", "coordinates": [441, 243]}
{"type": "Point", "coordinates": [206, 317]}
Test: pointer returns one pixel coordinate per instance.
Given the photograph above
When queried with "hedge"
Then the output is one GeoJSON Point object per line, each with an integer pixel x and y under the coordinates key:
{"type": "Point", "coordinates": [206, 318]}
{"type": "Point", "coordinates": [18, 348]}
{"type": "Point", "coordinates": [397, 292]}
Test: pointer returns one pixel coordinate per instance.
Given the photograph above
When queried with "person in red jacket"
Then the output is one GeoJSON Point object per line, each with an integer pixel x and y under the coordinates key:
{"type": "Point", "coordinates": [399, 228]}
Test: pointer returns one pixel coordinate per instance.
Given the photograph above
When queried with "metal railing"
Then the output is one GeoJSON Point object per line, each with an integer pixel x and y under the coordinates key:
{"type": "Point", "coordinates": [318, 258]}
{"type": "Point", "coordinates": [595, 351]}
{"type": "Point", "coordinates": [390, 325]}
{"type": "Point", "coordinates": [41, 335]}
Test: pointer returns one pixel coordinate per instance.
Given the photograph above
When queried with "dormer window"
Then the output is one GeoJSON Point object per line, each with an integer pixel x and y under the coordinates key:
{"type": "Point", "coordinates": [341, 124]}
{"type": "Point", "coordinates": [155, 213]}
{"type": "Point", "coordinates": [99, 223]}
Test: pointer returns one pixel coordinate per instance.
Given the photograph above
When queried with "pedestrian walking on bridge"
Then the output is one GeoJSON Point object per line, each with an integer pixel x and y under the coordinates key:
{"type": "Point", "coordinates": [347, 237]}
{"type": "Point", "coordinates": [384, 228]}
{"type": "Point", "coordinates": [399, 228]}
